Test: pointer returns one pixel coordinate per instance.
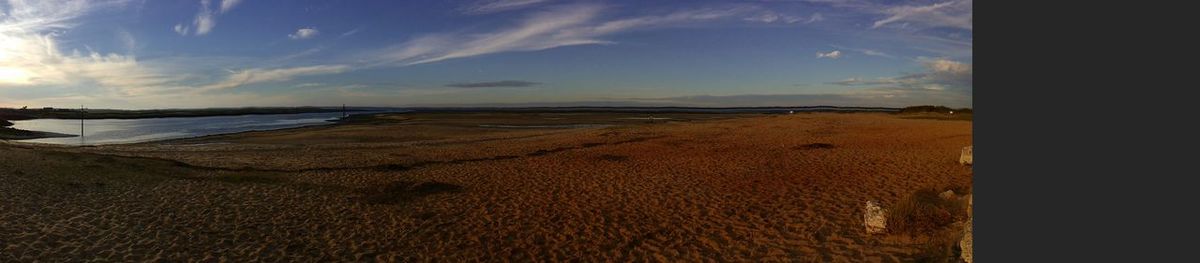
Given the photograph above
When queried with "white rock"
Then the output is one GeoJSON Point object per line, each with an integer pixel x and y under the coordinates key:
{"type": "Point", "coordinates": [965, 156]}
{"type": "Point", "coordinates": [874, 218]}
{"type": "Point", "coordinates": [947, 194]}
{"type": "Point", "coordinates": [966, 244]}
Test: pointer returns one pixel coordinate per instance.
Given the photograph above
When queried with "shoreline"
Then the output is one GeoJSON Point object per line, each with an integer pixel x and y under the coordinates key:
{"type": "Point", "coordinates": [360, 118]}
{"type": "Point", "coordinates": [92, 114]}
{"type": "Point", "coordinates": [18, 135]}
{"type": "Point", "coordinates": [15, 134]}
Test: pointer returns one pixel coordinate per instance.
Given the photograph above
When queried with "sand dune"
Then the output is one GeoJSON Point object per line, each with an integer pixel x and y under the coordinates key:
{"type": "Point", "coordinates": [426, 187]}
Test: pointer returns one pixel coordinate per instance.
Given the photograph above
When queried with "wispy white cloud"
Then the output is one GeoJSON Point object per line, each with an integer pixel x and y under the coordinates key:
{"type": "Point", "coordinates": [938, 85]}
{"type": "Point", "coordinates": [865, 82]}
{"type": "Point", "coordinates": [181, 29]}
{"type": "Point", "coordinates": [305, 53]}
{"type": "Point", "coordinates": [939, 27]}
{"type": "Point", "coordinates": [952, 14]}
{"type": "Point", "coordinates": [556, 27]}
{"type": "Point", "coordinates": [942, 80]}
{"type": "Point", "coordinates": [876, 53]}
{"type": "Point", "coordinates": [32, 59]}
{"type": "Point", "coordinates": [495, 84]}
{"type": "Point", "coordinates": [772, 17]}
{"type": "Point", "coordinates": [938, 71]}
{"type": "Point", "coordinates": [351, 32]}
{"type": "Point", "coordinates": [816, 17]}
{"type": "Point", "coordinates": [761, 14]}
{"type": "Point", "coordinates": [44, 15]}
{"type": "Point", "coordinates": [205, 20]}
{"type": "Point", "coordinates": [494, 6]}
{"type": "Point", "coordinates": [30, 55]}
{"type": "Point", "coordinates": [831, 54]}
{"type": "Point", "coordinates": [127, 40]}
{"type": "Point", "coordinates": [252, 76]}
{"type": "Point", "coordinates": [227, 5]}
{"type": "Point", "coordinates": [304, 33]}
{"type": "Point", "coordinates": [869, 52]}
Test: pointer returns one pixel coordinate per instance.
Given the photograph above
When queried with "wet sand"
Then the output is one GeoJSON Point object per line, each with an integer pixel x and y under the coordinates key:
{"type": "Point", "coordinates": [458, 186]}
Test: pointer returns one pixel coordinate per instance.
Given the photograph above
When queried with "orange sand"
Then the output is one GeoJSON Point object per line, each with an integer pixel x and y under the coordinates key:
{"type": "Point", "coordinates": [745, 189]}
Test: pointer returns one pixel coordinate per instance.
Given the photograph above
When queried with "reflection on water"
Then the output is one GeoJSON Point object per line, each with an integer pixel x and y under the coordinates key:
{"type": "Point", "coordinates": [109, 131]}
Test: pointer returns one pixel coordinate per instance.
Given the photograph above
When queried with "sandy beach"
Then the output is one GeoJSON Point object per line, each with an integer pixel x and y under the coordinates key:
{"type": "Point", "coordinates": [590, 187]}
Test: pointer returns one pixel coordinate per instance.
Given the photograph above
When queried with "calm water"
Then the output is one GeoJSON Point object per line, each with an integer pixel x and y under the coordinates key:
{"type": "Point", "coordinates": [110, 131]}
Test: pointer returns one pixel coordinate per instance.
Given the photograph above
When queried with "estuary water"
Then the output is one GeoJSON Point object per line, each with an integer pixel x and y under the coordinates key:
{"type": "Point", "coordinates": [112, 131]}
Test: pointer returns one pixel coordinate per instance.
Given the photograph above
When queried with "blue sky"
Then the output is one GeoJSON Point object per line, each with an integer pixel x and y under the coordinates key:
{"type": "Point", "coordinates": [227, 53]}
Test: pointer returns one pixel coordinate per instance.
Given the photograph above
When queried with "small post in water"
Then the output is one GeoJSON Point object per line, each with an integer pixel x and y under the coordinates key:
{"type": "Point", "coordinates": [81, 139]}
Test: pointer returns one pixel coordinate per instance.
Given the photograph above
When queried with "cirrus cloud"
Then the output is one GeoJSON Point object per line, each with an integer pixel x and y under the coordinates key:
{"type": "Point", "coordinates": [495, 6]}
{"type": "Point", "coordinates": [227, 5]}
{"type": "Point", "coordinates": [561, 26]}
{"type": "Point", "coordinates": [942, 80]}
{"type": "Point", "coordinates": [495, 84]}
{"type": "Point", "coordinates": [952, 14]}
{"type": "Point", "coordinates": [252, 76]}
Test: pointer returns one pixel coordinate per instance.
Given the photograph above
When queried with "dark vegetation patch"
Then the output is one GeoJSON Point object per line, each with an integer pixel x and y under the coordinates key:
{"type": "Point", "coordinates": [493, 158]}
{"type": "Point", "coordinates": [248, 178]}
{"type": "Point", "coordinates": [545, 152]}
{"type": "Point", "coordinates": [589, 145]}
{"type": "Point", "coordinates": [105, 159]}
{"type": "Point", "coordinates": [393, 167]}
{"type": "Point", "coordinates": [614, 158]}
{"type": "Point", "coordinates": [940, 249]}
{"type": "Point", "coordinates": [822, 234]}
{"type": "Point", "coordinates": [405, 191]}
{"type": "Point", "coordinates": [934, 109]}
{"type": "Point", "coordinates": [814, 146]}
{"type": "Point", "coordinates": [386, 167]}
{"type": "Point", "coordinates": [955, 117]}
{"type": "Point", "coordinates": [424, 216]}
{"type": "Point", "coordinates": [937, 113]}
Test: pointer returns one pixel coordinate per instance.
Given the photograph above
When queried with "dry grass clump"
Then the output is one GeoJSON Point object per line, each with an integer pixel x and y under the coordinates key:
{"type": "Point", "coordinates": [925, 212]}
{"type": "Point", "coordinates": [941, 248]}
{"type": "Point", "coordinates": [936, 217]}
{"type": "Point", "coordinates": [930, 214]}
